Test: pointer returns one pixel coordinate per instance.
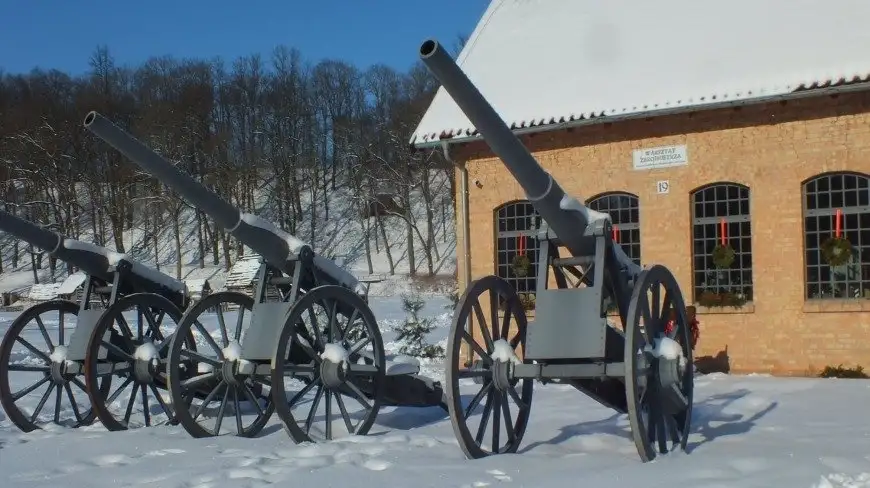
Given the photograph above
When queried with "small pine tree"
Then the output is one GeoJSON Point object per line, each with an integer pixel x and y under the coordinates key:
{"type": "Point", "coordinates": [412, 333]}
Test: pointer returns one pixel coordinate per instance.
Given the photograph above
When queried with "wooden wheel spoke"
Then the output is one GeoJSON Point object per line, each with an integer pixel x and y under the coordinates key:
{"type": "Point", "coordinates": [496, 419]}
{"type": "Point", "coordinates": [357, 347]}
{"type": "Point", "coordinates": [196, 381]}
{"type": "Point", "coordinates": [350, 321]}
{"type": "Point", "coordinates": [506, 324]}
{"type": "Point", "coordinates": [475, 400]}
{"type": "Point", "coordinates": [476, 347]}
{"type": "Point", "coordinates": [24, 391]}
{"type": "Point", "coordinates": [249, 395]}
{"type": "Point", "coordinates": [481, 323]}
{"type": "Point", "coordinates": [24, 368]}
{"type": "Point", "coordinates": [314, 404]}
{"type": "Point", "coordinates": [508, 418]}
{"type": "Point", "coordinates": [72, 402]}
{"type": "Point", "coordinates": [41, 403]}
{"type": "Point", "coordinates": [44, 333]}
{"type": "Point", "coordinates": [301, 393]}
{"type": "Point", "coordinates": [159, 398]}
{"type": "Point", "coordinates": [117, 350]}
{"type": "Point", "coordinates": [129, 411]}
{"type": "Point", "coordinates": [61, 325]}
{"type": "Point", "coordinates": [154, 323]}
{"type": "Point", "coordinates": [57, 399]}
{"type": "Point", "coordinates": [225, 338]}
{"type": "Point", "coordinates": [351, 429]}
{"type": "Point", "coordinates": [328, 408]}
{"type": "Point", "coordinates": [516, 398]}
{"type": "Point", "coordinates": [656, 302]}
{"type": "Point", "coordinates": [196, 356]}
{"type": "Point", "coordinates": [240, 320]}
{"type": "Point", "coordinates": [209, 339]}
{"type": "Point", "coordinates": [315, 325]}
{"type": "Point", "coordinates": [484, 418]}
{"type": "Point", "coordinates": [81, 386]}
{"type": "Point", "coordinates": [358, 395]}
{"type": "Point", "coordinates": [221, 411]}
{"type": "Point", "coordinates": [332, 325]}
{"type": "Point", "coordinates": [493, 314]}
{"type": "Point", "coordinates": [146, 409]}
{"type": "Point", "coordinates": [114, 396]}
{"type": "Point", "coordinates": [30, 347]}
{"type": "Point", "coordinates": [237, 408]}
{"type": "Point", "coordinates": [208, 399]}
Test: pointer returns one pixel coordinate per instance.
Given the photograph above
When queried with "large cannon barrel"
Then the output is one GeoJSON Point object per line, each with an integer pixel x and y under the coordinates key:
{"type": "Point", "coordinates": [259, 234]}
{"type": "Point", "coordinates": [565, 215]}
{"type": "Point", "coordinates": [29, 232]}
{"type": "Point", "coordinates": [251, 230]}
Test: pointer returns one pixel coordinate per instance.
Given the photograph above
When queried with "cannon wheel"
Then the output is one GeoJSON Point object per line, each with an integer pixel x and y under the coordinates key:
{"type": "Point", "coordinates": [654, 385]}
{"type": "Point", "coordinates": [349, 326]}
{"type": "Point", "coordinates": [187, 382]}
{"type": "Point", "coordinates": [58, 381]}
{"type": "Point", "coordinates": [497, 388]}
{"type": "Point", "coordinates": [137, 355]}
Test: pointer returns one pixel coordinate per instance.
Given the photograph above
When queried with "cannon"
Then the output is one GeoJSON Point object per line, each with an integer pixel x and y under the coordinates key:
{"type": "Point", "coordinates": [309, 339]}
{"type": "Point", "coordinates": [100, 347]}
{"type": "Point", "coordinates": [640, 370]}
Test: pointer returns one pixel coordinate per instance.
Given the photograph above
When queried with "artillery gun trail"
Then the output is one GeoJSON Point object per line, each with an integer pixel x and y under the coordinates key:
{"type": "Point", "coordinates": [309, 330]}
{"type": "Point", "coordinates": [101, 345]}
{"type": "Point", "coordinates": [640, 370]}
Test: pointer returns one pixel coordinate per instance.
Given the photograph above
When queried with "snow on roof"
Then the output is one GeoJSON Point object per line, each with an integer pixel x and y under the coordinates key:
{"type": "Point", "coordinates": [41, 292]}
{"type": "Point", "coordinates": [71, 283]}
{"type": "Point", "coordinates": [243, 272]}
{"type": "Point", "coordinates": [541, 62]}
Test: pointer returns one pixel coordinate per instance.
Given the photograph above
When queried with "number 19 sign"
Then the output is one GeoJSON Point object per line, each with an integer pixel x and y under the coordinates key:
{"type": "Point", "coordinates": [663, 187]}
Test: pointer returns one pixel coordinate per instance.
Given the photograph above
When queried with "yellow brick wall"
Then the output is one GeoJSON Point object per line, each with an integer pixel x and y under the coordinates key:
{"type": "Point", "coordinates": [771, 148]}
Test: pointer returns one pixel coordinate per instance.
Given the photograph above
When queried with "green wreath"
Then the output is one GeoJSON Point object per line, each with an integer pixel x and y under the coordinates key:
{"type": "Point", "coordinates": [837, 251]}
{"type": "Point", "coordinates": [723, 256]}
{"type": "Point", "coordinates": [521, 265]}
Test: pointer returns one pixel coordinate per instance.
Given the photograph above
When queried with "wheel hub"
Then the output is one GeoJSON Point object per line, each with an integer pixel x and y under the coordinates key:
{"type": "Point", "coordinates": [229, 369]}
{"type": "Point", "coordinates": [501, 374]}
{"type": "Point", "coordinates": [668, 372]}
{"type": "Point", "coordinates": [58, 369]}
{"type": "Point", "coordinates": [334, 366]}
{"type": "Point", "coordinates": [146, 362]}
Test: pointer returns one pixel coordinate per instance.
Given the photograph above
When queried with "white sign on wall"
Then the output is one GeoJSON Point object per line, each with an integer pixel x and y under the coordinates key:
{"type": "Point", "coordinates": [663, 186]}
{"type": "Point", "coordinates": [660, 157]}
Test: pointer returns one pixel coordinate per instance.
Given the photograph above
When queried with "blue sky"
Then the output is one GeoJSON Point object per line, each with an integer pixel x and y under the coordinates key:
{"type": "Point", "coordinates": [63, 34]}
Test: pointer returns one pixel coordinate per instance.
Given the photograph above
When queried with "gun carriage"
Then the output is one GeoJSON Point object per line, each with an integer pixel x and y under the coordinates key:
{"type": "Point", "coordinates": [308, 330]}
{"type": "Point", "coordinates": [94, 341]}
{"type": "Point", "coordinates": [640, 370]}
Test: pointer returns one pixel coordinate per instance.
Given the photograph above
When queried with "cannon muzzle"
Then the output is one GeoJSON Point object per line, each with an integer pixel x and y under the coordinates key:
{"type": "Point", "coordinates": [565, 215]}
{"type": "Point", "coordinates": [29, 232]}
{"type": "Point", "coordinates": [258, 234]}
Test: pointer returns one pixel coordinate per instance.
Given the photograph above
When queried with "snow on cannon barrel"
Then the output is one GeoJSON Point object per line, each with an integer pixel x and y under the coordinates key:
{"type": "Point", "coordinates": [284, 337]}
{"type": "Point", "coordinates": [645, 367]}
{"type": "Point", "coordinates": [94, 343]}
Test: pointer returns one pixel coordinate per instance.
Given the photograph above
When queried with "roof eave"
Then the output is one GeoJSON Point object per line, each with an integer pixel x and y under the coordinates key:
{"type": "Point", "coordinates": [797, 94]}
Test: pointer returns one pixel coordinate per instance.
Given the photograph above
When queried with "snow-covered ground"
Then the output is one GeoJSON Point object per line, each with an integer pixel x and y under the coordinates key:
{"type": "Point", "coordinates": [749, 431]}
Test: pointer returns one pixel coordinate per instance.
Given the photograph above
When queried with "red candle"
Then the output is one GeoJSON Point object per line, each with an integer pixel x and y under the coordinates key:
{"type": "Point", "coordinates": [615, 233]}
{"type": "Point", "coordinates": [837, 224]}
{"type": "Point", "coordinates": [722, 230]}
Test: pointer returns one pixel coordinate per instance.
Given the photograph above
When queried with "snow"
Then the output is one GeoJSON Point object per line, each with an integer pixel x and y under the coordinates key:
{"type": "Point", "coordinates": [334, 353]}
{"type": "Point", "coordinates": [665, 347]}
{"type": "Point", "coordinates": [545, 61]}
{"type": "Point", "coordinates": [233, 351]}
{"type": "Point", "coordinates": [58, 355]}
{"type": "Point", "coordinates": [571, 203]}
{"type": "Point", "coordinates": [41, 292]}
{"type": "Point", "coordinates": [146, 352]}
{"type": "Point", "coordinates": [502, 351]}
{"type": "Point", "coordinates": [748, 431]}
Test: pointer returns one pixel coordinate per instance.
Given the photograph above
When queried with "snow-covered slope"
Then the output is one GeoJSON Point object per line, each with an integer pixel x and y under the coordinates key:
{"type": "Point", "coordinates": [341, 236]}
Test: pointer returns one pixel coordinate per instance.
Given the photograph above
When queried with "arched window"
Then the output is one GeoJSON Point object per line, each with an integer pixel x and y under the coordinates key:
{"type": "Point", "coordinates": [516, 224]}
{"type": "Point", "coordinates": [624, 210]}
{"type": "Point", "coordinates": [721, 222]}
{"type": "Point", "coordinates": [829, 198]}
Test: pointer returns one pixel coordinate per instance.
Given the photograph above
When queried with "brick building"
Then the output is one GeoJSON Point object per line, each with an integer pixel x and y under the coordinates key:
{"type": "Point", "coordinates": [758, 125]}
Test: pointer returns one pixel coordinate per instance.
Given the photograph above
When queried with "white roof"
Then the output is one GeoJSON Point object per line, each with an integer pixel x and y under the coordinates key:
{"type": "Point", "coordinates": [243, 272]}
{"type": "Point", "coordinates": [41, 292]}
{"type": "Point", "coordinates": [540, 62]}
{"type": "Point", "coordinates": [71, 283]}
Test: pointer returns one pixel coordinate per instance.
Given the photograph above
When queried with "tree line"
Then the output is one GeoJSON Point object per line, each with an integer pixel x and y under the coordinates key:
{"type": "Point", "coordinates": [298, 129]}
